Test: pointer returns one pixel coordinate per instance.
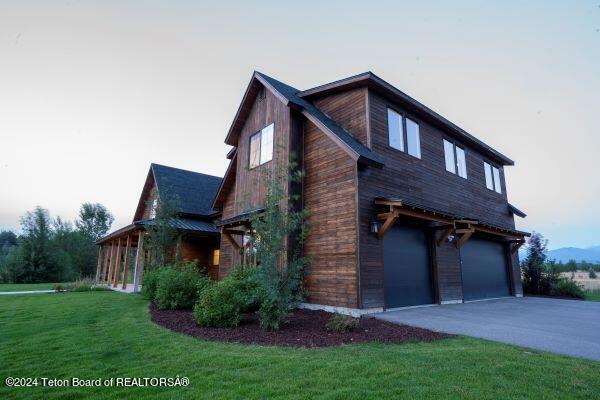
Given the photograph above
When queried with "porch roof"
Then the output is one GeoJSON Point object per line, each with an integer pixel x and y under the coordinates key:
{"type": "Point", "coordinates": [187, 225]}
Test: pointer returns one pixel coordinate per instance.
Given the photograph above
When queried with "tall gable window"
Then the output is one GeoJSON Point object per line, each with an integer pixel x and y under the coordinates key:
{"type": "Point", "coordinates": [492, 177]}
{"type": "Point", "coordinates": [403, 131]}
{"type": "Point", "coordinates": [456, 159]}
{"type": "Point", "coordinates": [153, 208]}
{"type": "Point", "coordinates": [261, 146]}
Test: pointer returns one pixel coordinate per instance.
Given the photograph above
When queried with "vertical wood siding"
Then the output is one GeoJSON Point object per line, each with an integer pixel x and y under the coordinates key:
{"type": "Point", "coordinates": [330, 196]}
{"type": "Point", "coordinates": [349, 110]}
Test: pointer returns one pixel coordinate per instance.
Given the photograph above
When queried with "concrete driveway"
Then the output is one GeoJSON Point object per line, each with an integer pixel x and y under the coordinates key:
{"type": "Point", "coordinates": [567, 327]}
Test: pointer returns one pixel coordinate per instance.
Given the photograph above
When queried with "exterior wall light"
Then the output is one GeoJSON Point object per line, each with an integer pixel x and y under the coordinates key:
{"type": "Point", "coordinates": [374, 227]}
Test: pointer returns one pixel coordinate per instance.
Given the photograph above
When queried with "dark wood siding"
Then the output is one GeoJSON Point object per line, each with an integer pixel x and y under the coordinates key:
{"type": "Point", "coordinates": [330, 197]}
{"type": "Point", "coordinates": [349, 110]}
{"type": "Point", "coordinates": [426, 182]}
{"type": "Point", "coordinates": [449, 278]}
{"type": "Point", "coordinates": [201, 250]}
{"type": "Point", "coordinates": [250, 189]}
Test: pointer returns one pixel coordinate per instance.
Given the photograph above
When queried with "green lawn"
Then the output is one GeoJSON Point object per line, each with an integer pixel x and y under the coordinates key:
{"type": "Point", "coordinates": [15, 287]}
{"type": "Point", "coordinates": [109, 334]}
{"type": "Point", "coordinates": [592, 295]}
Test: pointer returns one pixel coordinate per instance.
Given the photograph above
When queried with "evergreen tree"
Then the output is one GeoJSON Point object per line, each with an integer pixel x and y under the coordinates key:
{"type": "Point", "coordinates": [533, 266]}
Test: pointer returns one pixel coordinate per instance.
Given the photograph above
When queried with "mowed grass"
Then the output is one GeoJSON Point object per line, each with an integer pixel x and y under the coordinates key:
{"type": "Point", "coordinates": [109, 335]}
{"type": "Point", "coordinates": [16, 287]}
{"type": "Point", "coordinates": [592, 295]}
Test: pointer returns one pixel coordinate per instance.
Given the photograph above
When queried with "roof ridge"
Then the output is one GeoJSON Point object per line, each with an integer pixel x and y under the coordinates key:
{"type": "Point", "coordinates": [184, 170]}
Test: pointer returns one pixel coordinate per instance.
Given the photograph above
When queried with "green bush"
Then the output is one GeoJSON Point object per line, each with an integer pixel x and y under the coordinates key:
{"type": "Point", "coordinates": [223, 303]}
{"type": "Point", "coordinates": [592, 274]}
{"type": "Point", "coordinates": [149, 282]}
{"type": "Point", "coordinates": [342, 323]}
{"type": "Point", "coordinates": [177, 286]}
{"type": "Point", "coordinates": [219, 305]}
{"type": "Point", "coordinates": [567, 287]}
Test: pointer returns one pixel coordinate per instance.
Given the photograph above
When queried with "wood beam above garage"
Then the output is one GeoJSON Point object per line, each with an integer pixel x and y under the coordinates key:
{"type": "Point", "coordinates": [516, 246]}
{"type": "Point", "coordinates": [389, 221]}
{"type": "Point", "coordinates": [460, 225]}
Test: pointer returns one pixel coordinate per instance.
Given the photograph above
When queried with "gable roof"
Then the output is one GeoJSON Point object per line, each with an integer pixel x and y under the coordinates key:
{"type": "Point", "coordinates": [289, 96]}
{"type": "Point", "coordinates": [374, 82]}
{"type": "Point", "coordinates": [195, 191]}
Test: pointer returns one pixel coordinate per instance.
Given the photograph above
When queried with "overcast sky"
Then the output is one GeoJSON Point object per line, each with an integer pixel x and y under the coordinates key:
{"type": "Point", "coordinates": [92, 92]}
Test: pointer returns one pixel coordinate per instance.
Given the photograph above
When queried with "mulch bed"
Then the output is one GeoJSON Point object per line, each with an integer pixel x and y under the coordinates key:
{"type": "Point", "coordinates": [304, 328]}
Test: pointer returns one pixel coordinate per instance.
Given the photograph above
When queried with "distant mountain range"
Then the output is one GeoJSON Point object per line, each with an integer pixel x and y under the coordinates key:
{"type": "Point", "coordinates": [564, 254]}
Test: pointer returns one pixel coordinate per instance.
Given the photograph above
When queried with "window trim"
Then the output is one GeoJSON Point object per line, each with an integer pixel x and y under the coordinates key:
{"type": "Point", "coordinates": [455, 145]}
{"type": "Point", "coordinates": [403, 117]}
{"type": "Point", "coordinates": [260, 141]}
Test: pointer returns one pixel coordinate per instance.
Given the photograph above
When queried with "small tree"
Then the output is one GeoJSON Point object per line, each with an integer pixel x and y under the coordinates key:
{"type": "Point", "coordinates": [94, 220]}
{"type": "Point", "coordinates": [277, 238]}
{"type": "Point", "coordinates": [592, 274]}
{"type": "Point", "coordinates": [532, 267]}
{"type": "Point", "coordinates": [162, 232]}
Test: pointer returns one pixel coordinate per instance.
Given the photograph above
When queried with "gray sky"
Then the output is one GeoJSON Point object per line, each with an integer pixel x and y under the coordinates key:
{"type": "Point", "coordinates": [91, 92]}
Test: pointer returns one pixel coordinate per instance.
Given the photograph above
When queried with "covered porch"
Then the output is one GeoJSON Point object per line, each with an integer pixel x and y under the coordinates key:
{"type": "Point", "coordinates": [123, 254]}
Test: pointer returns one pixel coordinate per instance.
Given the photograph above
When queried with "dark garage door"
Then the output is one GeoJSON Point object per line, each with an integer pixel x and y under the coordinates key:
{"type": "Point", "coordinates": [406, 267]}
{"type": "Point", "coordinates": [484, 270]}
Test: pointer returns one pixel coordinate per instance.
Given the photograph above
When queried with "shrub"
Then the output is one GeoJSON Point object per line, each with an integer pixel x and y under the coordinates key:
{"type": "Point", "coordinates": [177, 286]}
{"type": "Point", "coordinates": [58, 286]}
{"type": "Point", "coordinates": [592, 274]}
{"type": "Point", "coordinates": [219, 305]}
{"type": "Point", "coordinates": [568, 288]}
{"type": "Point", "coordinates": [223, 303]}
{"type": "Point", "coordinates": [82, 285]}
{"type": "Point", "coordinates": [342, 323]}
{"type": "Point", "coordinates": [149, 282]}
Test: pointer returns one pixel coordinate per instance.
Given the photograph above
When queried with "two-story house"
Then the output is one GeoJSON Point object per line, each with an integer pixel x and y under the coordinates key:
{"type": "Point", "coordinates": [406, 208]}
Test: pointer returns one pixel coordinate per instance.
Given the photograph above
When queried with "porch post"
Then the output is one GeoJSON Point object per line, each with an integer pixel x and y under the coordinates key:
{"type": "Point", "coordinates": [105, 264]}
{"type": "Point", "coordinates": [111, 265]}
{"type": "Point", "coordinates": [118, 263]}
{"type": "Point", "coordinates": [127, 257]}
{"type": "Point", "coordinates": [139, 262]}
{"type": "Point", "coordinates": [99, 264]}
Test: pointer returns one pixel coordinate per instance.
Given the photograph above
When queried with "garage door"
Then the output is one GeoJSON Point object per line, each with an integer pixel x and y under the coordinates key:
{"type": "Point", "coordinates": [407, 269]}
{"type": "Point", "coordinates": [484, 270]}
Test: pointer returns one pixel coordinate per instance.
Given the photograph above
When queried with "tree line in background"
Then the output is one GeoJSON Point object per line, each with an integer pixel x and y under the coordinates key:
{"type": "Point", "coordinates": [53, 250]}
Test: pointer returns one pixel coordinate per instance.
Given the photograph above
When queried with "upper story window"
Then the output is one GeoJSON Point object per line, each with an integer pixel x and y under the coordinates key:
{"type": "Point", "coordinates": [153, 208]}
{"type": "Point", "coordinates": [261, 146]}
{"type": "Point", "coordinates": [456, 159]}
{"type": "Point", "coordinates": [403, 131]}
{"type": "Point", "coordinates": [492, 177]}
